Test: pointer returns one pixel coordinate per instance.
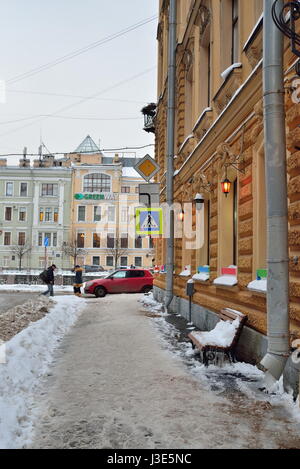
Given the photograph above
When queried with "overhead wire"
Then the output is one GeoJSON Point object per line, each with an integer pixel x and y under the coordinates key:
{"type": "Point", "coordinates": [77, 52]}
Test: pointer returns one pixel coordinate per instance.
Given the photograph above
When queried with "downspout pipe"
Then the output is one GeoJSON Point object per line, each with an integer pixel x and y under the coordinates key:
{"type": "Point", "coordinates": [170, 150]}
{"type": "Point", "coordinates": [277, 209]}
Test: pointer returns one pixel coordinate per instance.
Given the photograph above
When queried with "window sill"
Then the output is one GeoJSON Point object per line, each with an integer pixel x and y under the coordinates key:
{"type": "Point", "coordinates": [226, 281]}
{"type": "Point", "coordinates": [227, 90]}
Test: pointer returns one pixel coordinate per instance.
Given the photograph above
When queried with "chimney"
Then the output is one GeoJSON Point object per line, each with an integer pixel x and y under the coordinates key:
{"type": "Point", "coordinates": [24, 163]}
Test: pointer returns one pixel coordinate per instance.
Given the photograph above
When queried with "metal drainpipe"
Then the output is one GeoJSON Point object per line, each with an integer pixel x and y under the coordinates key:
{"type": "Point", "coordinates": [170, 148]}
{"type": "Point", "coordinates": [277, 210]}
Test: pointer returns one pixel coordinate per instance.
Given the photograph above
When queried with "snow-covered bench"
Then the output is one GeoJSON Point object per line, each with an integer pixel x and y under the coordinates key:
{"type": "Point", "coordinates": [223, 338]}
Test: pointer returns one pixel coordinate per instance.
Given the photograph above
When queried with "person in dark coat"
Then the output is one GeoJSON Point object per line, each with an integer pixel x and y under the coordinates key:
{"type": "Point", "coordinates": [49, 280]}
{"type": "Point", "coordinates": [78, 280]}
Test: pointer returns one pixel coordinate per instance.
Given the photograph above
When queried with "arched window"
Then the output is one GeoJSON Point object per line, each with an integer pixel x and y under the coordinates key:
{"type": "Point", "coordinates": [97, 182]}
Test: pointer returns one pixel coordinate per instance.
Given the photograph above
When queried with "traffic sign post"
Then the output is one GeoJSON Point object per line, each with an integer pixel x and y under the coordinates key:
{"type": "Point", "coordinates": [46, 244]}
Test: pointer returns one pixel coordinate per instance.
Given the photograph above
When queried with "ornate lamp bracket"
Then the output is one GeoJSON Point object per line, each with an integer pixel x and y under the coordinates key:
{"type": "Point", "coordinates": [285, 20]}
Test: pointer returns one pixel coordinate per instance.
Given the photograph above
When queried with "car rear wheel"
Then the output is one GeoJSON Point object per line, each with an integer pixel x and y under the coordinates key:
{"type": "Point", "coordinates": [100, 292]}
{"type": "Point", "coordinates": [147, 289]}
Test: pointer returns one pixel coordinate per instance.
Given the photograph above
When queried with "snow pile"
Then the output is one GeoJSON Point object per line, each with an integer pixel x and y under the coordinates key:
{"type": "Point", "coordinates": [201, 276]}
{"type": "Point", "coordinates": [222, 335]}
{"type": "Point", "coordinates": [34, 288]}
{"type": "Point", "coordinates": [16, 319]}
{"type": "Point", "coordinates": [28, 356]}
{"type": "Point", "coordinates": [226, 280]}
{"type": "Point", "coordinates": [149, 302]}
{"type": "Point", "coordinates": [258, 285]}
{"type": "Point", "coordinates": [228, 70]}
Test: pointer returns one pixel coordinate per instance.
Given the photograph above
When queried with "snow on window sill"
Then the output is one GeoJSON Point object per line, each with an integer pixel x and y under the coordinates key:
{"type": "Point", "coordinates": [201, 277]}
{"type": "Point", "coordinates": [226, 281]}
{"type": "Point", "coordinates": [258, 285]}
{"type": "Point", "coordinates": [185, 273]}
{"type": "Point", "coordinates": [228, 70]}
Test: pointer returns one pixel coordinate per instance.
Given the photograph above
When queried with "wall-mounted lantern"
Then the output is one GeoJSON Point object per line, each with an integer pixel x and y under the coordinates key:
{"type": "Point", "coordinates": [199, 201]}
{"type": "Point", "coordinates": [149, 113]}
{"type": "Point", "coordinates": [226, 185]}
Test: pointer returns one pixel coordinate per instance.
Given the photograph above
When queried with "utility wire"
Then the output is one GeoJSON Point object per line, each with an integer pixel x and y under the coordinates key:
{"type": "Point", "coordinates": [61, 95]}
{"type": "Point", "coordinates": [72, 118]}
{"type": "Point", "coordinates": [65, 108]}
{"type": "Point", "coordinates": [73, 54]}
{"type": "Point", "coordinates": [75, 152]}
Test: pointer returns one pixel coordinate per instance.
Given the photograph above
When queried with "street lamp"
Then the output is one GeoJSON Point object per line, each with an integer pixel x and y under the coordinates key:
{"type": "Point", "coordinates": [226, 184]}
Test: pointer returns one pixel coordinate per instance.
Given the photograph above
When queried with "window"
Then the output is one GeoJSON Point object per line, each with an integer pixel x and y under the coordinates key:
{"type": "Point", "coordinates": [151, 243]}
{"type": "Point", "coordinates": [136, 273]}
{"type": "Point", "coordinates": [96, 240]}
{"type": "Point", "coordinates": [96, 182]}
{"type": "Point", "coordinates": [8, 214]}
{"type": "Point", "coordinates": [109, 261]}
{"type": "Point", "coordinates": [9, 189]}
{"type": "Point", "coordinates": [124, 215]}
{"type": "Point", "coordinates": [43, 236]}
{"type": "Point", "coordinates": [55, 219]}
{"type": "Point", "coordinates": [7, 238]}
{"type": "Point", "coordinates": [138, 242]}
{"type": "Point", "coordinates": [110, 240]}
{"type": "Point", "coordinates": [138, 261]}
{"type": "Point", "coordinates": [96, 260]}
{"type": "Point", "coordinates": [125, 190]}
{"type": "Point", "coordinates": [21, 238]}
{"type": "Point", "coordinates": [124, 241]}
{"type": "Point", "coordinates": [48, 214]}
{"type": "Point", "coordinates": [80, 240]}
{"type": "Point", "coordinates": [54, 239]}
{"type": "Point", "coordinates": [40, 239]}
{"type": "Point", "coordinates": [23, 189]}
{"type": "Point", "coordinates": [235, 31]}
{"type": "Point", "coordinates": [123, 261]}
{"type": "Point", "coordinates": [81, 213]}
{"type": "Point", "coordinates": [22, 214]}
{"type": "Point", "coordinates": [111, 214]}
{"type": "Point", "coordinates": [97, 213]}
{"type": "Point", "coordinates": [49, 190]}
{"type": "Point", "coordinates": [119, 274]}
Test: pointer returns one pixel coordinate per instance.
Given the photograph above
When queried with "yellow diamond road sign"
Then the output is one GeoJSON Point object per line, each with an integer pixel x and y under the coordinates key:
{"type": "Point", "coordinates": [147, 168]}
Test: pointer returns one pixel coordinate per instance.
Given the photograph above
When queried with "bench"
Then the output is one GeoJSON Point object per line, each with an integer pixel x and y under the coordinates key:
{"type": "Point", "coordinates": [201, 340]}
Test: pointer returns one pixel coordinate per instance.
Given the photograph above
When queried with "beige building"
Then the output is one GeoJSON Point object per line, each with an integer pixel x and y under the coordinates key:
{"type": "Point", "coordinates": [104, 198]}
{"type": "Point", "coordinates": [219, 135]}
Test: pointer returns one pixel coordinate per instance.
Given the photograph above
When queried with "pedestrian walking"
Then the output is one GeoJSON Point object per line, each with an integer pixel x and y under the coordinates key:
{"type": "Point", "coordinates": [78, 280]}
{"type": "Point", "coordinates": [48, 278]}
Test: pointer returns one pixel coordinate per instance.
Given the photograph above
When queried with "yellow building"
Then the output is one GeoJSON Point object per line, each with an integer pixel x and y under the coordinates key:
{"type": "Point", "coordinates": [218, 135]}
{"type": "Point", "coordinates": [104, 198]}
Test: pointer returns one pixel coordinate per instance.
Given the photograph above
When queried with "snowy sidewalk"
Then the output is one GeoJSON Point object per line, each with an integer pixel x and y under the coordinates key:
{"type": "Point", "coordinates": [115, 384]}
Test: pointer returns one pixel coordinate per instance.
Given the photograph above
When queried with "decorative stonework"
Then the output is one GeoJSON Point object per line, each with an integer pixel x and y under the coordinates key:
{"type": "Point", "coordinates": [227, 90]}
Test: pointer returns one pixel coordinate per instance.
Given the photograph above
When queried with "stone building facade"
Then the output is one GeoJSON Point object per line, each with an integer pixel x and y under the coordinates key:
{"type": "Point", "coordinates": [219, 133]}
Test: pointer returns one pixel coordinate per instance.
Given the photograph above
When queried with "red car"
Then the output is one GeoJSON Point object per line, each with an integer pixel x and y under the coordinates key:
{"type": "Point", "coordinates": [121, 281]}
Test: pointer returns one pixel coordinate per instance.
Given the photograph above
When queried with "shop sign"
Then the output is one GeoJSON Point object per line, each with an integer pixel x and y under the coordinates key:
{"type": "Point", "coordinates": [88, 196]}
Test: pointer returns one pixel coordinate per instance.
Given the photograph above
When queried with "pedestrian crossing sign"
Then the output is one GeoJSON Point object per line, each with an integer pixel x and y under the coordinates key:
{"type": "Point", "coordinates": [149, 221]}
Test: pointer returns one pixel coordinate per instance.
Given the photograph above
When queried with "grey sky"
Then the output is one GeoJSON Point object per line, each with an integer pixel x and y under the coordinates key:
{"type": "Point", "coordinates": [35, 32]}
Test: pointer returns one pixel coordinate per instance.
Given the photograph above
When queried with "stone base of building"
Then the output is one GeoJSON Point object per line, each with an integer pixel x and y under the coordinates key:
{"type": "Point", "coordinates": [252, 345]}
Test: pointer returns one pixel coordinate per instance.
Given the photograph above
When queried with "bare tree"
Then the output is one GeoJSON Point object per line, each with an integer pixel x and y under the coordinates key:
{"type": "Point", "coordinates": [116, 250]}
{"type": "Point", "coordinates": [72, 250]}
{"type": "Point", "coordinates": [20, 252]}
